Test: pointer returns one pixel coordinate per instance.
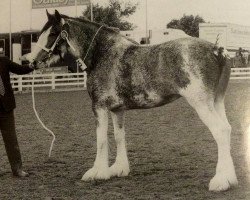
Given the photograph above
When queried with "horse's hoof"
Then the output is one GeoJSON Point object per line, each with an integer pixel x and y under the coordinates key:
{"type": "Point", "coordinates": [96, 174]}
{"type": "Point", "coordinates": [222, 182]}
{"type": "Point", "coordinates": [119, 170]}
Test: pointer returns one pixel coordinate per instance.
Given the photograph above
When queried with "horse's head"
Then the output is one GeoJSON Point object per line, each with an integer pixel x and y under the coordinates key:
{"type": "Point", "coordinates": [53, 42]}
{"type": "Point", "coordinates": [68, 38]}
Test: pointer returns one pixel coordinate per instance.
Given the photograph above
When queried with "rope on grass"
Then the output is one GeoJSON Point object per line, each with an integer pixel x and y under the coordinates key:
{"type": "Point", "coordinates": [37, 116]}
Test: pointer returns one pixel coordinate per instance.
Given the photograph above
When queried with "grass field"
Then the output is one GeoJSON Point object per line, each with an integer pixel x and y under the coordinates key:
{"type": "Point", "coordinates": [172, 154]}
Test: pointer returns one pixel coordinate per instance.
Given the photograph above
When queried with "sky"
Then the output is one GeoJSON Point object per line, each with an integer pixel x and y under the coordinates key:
{"type": "Point", "coordinates": [160, 12]}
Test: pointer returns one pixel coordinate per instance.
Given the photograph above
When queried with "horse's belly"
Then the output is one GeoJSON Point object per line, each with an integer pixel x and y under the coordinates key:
{"type": "Point", "coordinates": [150, 100]}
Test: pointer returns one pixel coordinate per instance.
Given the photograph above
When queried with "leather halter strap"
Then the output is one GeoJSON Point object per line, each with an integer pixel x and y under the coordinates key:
{"type": "Point", "coordinates": [51, 49]}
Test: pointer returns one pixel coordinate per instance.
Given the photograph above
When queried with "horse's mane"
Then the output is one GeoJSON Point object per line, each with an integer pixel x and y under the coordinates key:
{"type": "Point", "coordinates": [108, 28]}
{"type": "Point", "coordinates": [86, 21]}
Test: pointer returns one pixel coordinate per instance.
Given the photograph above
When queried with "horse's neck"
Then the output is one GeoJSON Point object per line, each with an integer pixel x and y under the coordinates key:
{"type": "Point", "coordinates": [80, 37]}
{"type": "Point", "coordinates": [83, 34]}
{"type": "Point", "coordinates": [93, 41]}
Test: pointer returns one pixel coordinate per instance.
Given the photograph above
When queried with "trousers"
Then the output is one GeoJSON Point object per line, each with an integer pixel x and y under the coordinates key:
{"type": "Point", "coordinates": [8, 130]}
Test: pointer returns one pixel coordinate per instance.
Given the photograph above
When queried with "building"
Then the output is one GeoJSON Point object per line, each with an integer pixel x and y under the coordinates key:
{"type": "Point", "coordinates": [155, 36]}
{"type": "Point", "coordinates": [231, 36]}
{"type": "Point", "coordinates": [21, 43]}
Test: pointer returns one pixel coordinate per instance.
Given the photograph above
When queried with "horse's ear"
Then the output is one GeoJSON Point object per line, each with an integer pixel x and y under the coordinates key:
{"type": "Point", "coordinates": [48, 15]}
{"type": "Point", "coordinates": [58, 16]}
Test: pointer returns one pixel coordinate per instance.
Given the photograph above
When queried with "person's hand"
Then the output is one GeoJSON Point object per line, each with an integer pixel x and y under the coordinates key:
{"type": "Point", "coordinates": [42, 65]}
{"type": "Point", "coordinates": [33, 65]}
{"type": "Point", "coordinates": [24, 57]}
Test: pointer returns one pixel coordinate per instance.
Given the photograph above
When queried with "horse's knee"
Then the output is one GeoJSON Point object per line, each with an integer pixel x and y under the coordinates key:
{"type": "Point", "coordinates": [225, 128]}
{"type": "Point", "coordinates": [222, 134]}
{"type": "Point", "coordinates": [229, 128]}
{"type": "Point", "coordinates": [119, 135]}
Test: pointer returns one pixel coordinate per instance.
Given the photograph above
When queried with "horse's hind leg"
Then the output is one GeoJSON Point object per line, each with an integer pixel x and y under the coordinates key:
{"type": "Point", "coordinates": [225, 173]}
{"type": "Point", "coordinates": [220, 108]}
{"type": "Point", "coordinates": [121, 165]}
{"type": "Point", "coordinates": [100, 170]}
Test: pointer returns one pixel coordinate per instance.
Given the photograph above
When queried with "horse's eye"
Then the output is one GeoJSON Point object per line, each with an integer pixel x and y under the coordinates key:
{"type": "Point", "coordinates": [52, 34]}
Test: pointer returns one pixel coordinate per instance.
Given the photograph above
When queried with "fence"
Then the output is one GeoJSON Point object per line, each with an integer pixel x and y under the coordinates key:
{"type": "Point", "coordinates": [75, 81]}
{"type": "Point", "coordinates": [52, 81]}
{"type": "Point", "coordinates": [240, 73]}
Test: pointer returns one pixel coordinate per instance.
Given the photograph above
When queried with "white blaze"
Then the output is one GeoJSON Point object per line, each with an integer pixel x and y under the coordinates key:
{"type": "Point", "coordinates": [42, 42]}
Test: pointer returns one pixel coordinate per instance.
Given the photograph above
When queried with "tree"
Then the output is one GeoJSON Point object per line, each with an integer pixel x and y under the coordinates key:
{"type": "Point", "coordinates": [113, 15]}
{"type": "Point", "coordinates": [188, 23]}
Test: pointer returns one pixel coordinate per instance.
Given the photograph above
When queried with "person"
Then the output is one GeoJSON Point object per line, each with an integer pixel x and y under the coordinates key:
{"type": "Point", "coordinates": [7, 106]}
{"type": "Point", "coordinates": [241, 51]}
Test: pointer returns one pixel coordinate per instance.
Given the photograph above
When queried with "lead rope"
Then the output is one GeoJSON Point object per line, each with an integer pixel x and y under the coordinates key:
{"type": "Point", "coordinates": [37, 116]}
{"type": "Point", "coordinates": [83, 66]}
{"type": "Point", "coordinates": [92, 42]}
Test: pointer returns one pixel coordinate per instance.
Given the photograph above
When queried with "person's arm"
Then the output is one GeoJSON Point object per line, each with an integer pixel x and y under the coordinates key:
{"type": "Point", "coordinates": [18, 69]}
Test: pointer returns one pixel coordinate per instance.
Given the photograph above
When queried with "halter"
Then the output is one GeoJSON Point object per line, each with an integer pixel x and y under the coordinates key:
{"type": "Point", "coordinates": [65, 36]}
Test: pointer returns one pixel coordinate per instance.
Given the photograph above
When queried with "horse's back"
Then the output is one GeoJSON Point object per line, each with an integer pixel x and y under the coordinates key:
{"type": "Point", "coordinates": [174, 61]}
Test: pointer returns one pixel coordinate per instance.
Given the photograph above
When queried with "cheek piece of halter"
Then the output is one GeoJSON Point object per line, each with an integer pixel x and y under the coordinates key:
{"type": "Point", "coordinates": [64, 36]}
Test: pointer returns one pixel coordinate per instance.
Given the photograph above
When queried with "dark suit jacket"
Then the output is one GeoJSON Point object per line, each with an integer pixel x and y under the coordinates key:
{"type": "Point", "coordinates": [7, 102]}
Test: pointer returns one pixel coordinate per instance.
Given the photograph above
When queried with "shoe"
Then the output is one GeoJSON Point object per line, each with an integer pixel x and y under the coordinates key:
{"type": "Point", "coordinates": [20, 173]}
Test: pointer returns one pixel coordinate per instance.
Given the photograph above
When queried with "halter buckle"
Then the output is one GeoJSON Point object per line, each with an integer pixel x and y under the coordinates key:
{"type": "Point", "coordinates": [64, 35]}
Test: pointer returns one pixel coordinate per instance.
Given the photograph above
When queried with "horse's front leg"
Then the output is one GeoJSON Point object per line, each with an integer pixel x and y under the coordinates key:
{"type": "Point", "coordinates": [100, 170]}
{"type": "Point", "coordinates": [121, 165]}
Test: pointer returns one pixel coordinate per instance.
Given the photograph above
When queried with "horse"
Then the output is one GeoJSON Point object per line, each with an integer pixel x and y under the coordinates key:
{"type": "Point", "coordinates": [123, 75]}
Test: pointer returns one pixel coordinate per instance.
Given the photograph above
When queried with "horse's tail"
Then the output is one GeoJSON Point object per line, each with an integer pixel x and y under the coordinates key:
{"type": "Point", "coordinates": [225, 71]}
